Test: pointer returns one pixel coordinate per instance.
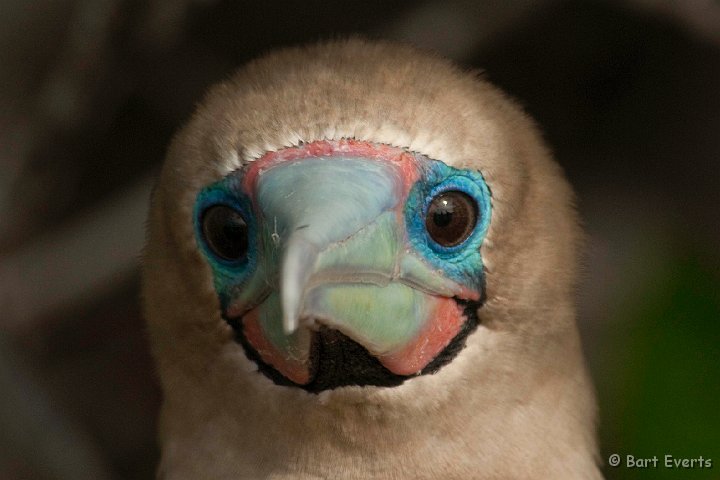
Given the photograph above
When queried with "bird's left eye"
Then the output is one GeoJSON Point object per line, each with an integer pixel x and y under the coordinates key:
{"type": "Point", "coordinates": [451, 217]}
{"type": "Point", "coordinates": [225, 232]}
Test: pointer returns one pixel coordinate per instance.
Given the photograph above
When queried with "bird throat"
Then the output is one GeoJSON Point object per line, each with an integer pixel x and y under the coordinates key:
{"type": "Point", "coordinates": [338, 361]}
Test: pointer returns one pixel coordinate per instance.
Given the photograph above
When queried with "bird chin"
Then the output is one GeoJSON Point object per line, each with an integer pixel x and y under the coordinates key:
{"type": "Point", "coordinates": [335, 360]}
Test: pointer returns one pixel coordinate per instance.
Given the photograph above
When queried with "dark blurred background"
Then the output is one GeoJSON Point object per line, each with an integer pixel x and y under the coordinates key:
{"type": "Point", "coordinates": [627, 94]}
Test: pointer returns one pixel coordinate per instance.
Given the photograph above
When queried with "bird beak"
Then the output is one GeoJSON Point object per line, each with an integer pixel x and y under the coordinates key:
{"type": "Point", "coordinates": [341, 259]}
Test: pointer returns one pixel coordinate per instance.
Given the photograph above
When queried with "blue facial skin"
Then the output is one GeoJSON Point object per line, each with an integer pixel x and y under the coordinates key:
{"type": "Point", "coordinates": [461, 263]}
{"type": "Point", "coordinates": [228, 275]}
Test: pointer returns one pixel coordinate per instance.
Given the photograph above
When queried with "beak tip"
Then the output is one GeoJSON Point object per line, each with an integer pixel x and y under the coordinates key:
{"type": "Point", "coordinates": [290, 324]}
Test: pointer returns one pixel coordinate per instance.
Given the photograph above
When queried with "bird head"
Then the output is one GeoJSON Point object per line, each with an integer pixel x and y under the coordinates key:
{"type": "Point", "coordinates": [354, 231]}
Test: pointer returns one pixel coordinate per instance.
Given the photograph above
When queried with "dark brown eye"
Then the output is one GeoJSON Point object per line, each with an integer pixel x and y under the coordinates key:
{"type": "Point", "coordinates": [225, 232]}
{"type": "Point", "coordinates": [451, 218]}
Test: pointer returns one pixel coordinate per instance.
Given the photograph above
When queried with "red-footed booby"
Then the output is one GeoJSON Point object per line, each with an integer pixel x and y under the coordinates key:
{"type": "Point", "coordinates": [360, 265]}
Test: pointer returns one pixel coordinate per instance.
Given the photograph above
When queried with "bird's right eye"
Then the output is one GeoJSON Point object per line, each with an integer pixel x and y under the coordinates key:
{"type": "Point", "coordinates": [225, 232]}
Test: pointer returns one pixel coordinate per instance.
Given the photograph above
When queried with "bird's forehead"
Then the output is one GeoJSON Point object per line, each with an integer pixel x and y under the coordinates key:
{"type": "Point", "coordinates": [405, 164]}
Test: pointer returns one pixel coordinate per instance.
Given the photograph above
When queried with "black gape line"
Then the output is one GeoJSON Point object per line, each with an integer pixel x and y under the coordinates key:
{"type": "Point", "coordinates": [339, 361]}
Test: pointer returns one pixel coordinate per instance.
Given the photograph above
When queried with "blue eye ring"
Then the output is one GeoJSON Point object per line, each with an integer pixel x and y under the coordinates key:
{"type": "Point", "coordinates": [210, 198]}
{"type": "Point", "coordinates": [441, 179]}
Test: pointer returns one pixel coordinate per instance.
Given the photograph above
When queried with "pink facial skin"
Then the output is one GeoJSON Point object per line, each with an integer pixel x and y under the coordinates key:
{"type": "Point", "coordinates": [432, 339]}
{"type": "Point", "coordinates": [296, 370]}
{"type": "Point", "coordinates": [325, 148]}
